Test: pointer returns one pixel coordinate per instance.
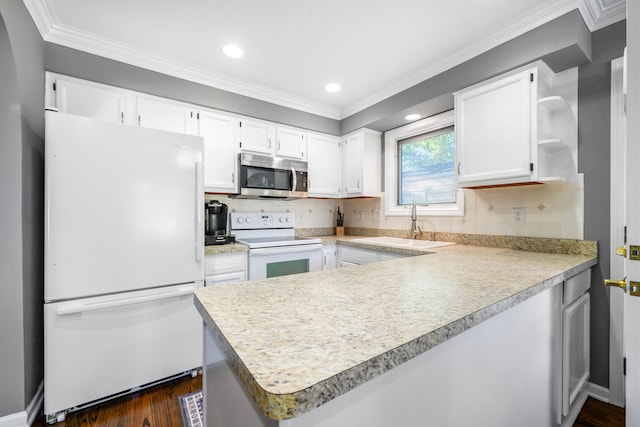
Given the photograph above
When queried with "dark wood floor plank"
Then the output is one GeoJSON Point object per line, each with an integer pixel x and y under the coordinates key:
{"type": "Point", "coordinates": [596, 413]}
{"type": "Point", "coordinates": [159, 407]}
{"type": "Point", "coordinates": [154, 407]}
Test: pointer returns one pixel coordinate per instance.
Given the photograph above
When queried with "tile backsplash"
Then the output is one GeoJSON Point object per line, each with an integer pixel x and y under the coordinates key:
{"type": "Point", "coordinates": [552, 210]}
{"type": "Point", "coordinates": [309, 213]}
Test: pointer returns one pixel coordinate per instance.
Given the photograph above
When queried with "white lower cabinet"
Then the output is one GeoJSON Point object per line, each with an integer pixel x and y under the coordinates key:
{"type": "Point", "coordinates": [329, 256]}
{"type": "Point", "coordinates": [575, 337]}
{"type": "Point", "coordinates": [225, 268]}
{"type": "Point", "coordinates": [349, 256]}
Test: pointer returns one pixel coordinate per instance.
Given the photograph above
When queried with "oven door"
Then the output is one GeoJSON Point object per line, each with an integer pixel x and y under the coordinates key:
{"type": "Point", "coordinates": [284, 260]}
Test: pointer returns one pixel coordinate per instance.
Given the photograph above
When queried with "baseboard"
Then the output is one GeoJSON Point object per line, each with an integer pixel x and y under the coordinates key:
{"type": "Point", "coordinates": [590, 389]}
{"type": "Point", "coordinates": [18, 419]}
{"type": "Point", "coordinates": [596, 391]}
{"type": "Point", "coordinates": [27, 417]}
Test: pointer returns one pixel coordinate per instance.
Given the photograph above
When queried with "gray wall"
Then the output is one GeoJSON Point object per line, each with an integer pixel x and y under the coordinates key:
{"type": "Point", "coordinates": [594, 95]}
{"type": "Point", "coordinates": [563, 43]}
{"type": "Point", "coordinates": [75, 63]}
{"type": "Point", "coordinates": [21, 213]}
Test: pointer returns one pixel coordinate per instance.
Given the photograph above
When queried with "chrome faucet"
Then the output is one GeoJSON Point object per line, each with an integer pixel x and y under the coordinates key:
{"type": "Point", "coordinates": [415, 229]}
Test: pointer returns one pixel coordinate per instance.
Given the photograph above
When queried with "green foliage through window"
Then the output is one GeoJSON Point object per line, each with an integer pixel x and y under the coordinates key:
{"type": "Point", "coordinates": [426, 168]}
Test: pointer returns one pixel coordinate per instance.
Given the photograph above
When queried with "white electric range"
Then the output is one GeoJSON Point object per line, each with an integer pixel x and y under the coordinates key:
{"type": "Point", "coordinates": [274, 250]}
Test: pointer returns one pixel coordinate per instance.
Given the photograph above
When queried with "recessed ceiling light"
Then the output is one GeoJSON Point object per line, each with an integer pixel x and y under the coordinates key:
{"type": "Point", "coordinates": [332, 87]}
{"type": "Point", "coordinates": [232, 51]}
{"type": "Point", "coordinates": [413, 116]}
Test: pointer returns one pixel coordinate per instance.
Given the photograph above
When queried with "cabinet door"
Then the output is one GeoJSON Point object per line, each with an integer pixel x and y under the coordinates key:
{"type": "Point", "coordinates": [88, 100]}
{"type": "Point", "coordinates": [324, 153]}
{"type": "Point", "coordinates": [220, 151]}
{"type": "Point", "coordinates": [575, 350]}
{"type": "Point", "coordinates": [165, 115]}
{"type": "Point", "coordinates": [352, 152]}
{"type": "Point", "coordinates": [257, 137]}
{"type": "Point", "coordinates": [329, 257]}
{"type": "Point", "coordinates": [291, 143]}
{"type": "Point", "coordinates": [493, 130]}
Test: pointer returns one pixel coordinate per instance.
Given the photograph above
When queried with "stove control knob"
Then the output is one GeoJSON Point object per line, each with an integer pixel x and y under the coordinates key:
{"type": "Point", "coordinates": [240, 220]}
{"type": "Point", "coordinates": [248, 220]}
{"type": "Point", "coordinates": [281, 219]}
{"type": "Point", "coordinates": [288, 219]}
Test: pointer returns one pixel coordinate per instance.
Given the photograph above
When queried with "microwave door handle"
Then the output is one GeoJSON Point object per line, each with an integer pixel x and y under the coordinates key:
{"type": "Point", "coordinates": [294, 179]}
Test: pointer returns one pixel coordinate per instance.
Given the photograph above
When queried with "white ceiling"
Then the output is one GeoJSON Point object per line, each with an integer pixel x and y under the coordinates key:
{"type": "Point", "coordinates": [372, 48]}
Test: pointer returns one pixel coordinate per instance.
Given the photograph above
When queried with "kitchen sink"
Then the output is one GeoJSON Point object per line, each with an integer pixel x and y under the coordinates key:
{"type": "Point", "coordinates": [402, 243]}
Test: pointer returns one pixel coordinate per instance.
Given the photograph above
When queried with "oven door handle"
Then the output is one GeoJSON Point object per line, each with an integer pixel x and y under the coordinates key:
{"type": "Point", "coordinates": [294, 179]}
{"type": "Point", "coordinates": [296, 249]}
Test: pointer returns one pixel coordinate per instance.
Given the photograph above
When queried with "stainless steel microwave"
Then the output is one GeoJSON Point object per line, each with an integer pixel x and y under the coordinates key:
{"type": "Point", "coordinates": [271, 178]}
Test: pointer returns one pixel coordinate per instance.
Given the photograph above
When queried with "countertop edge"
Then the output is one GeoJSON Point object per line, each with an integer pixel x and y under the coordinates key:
{"type": "Point", "coordinates": [284, 406]}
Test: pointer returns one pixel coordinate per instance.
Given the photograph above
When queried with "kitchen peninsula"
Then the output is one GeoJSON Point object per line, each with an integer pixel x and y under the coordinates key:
{"type": "Point", "coordinates": [461, 336]}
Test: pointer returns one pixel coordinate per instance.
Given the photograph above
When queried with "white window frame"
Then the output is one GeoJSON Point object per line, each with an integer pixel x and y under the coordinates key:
{"type": "Point", "coordinates": [391, 139]}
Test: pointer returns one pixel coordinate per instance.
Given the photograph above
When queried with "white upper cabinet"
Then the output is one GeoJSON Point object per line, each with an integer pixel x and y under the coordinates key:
{"type": "Point", "coordinates": [260, 137]}
{"type": "Point", "coordinates": [324, 160]}
{"type": "Point", "coordinates": [515, 129]}
{"type": "Point", "coordinates": [291, 143]}
{"type": "Point", "coordinates": [361, 164]}
{"type": "Point", "coordinates": [257, 137]}
{"type": "Point", "coordinates": [166, 115]}
{"type": "Point", "coordinates": [90, 100]}
{"type": "Point", "coordinates": [220, 151]}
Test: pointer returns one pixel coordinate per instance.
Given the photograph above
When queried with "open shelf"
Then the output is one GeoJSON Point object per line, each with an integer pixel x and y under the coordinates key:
{"type": "Point", "coordinates": [552, 145]}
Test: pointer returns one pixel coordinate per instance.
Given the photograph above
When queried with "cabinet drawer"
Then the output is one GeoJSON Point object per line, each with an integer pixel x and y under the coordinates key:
{"type": "Point", "coordinates": [225, 263]}
{"type": "Point", "coordinates": [576, 286]}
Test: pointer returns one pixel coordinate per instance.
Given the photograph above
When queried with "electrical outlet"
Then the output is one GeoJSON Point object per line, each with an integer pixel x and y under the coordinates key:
{"type": "Point", "coordinates": [300, 219]}
{"type": "Point", "coordinates": [518, 215]}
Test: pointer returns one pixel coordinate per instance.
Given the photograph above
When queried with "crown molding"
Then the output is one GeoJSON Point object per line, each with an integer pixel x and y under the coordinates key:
{"type": "Point", "coordinates": [598, 14]}
{"type": "Point", "coordinates": [53, 31]}
{"type": "Point", "coordinates": [514, 30]}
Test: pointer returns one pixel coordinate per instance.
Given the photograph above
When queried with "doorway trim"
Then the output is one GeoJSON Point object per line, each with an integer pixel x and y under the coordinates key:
{"type": "Point", "coordinates": [617, 233]}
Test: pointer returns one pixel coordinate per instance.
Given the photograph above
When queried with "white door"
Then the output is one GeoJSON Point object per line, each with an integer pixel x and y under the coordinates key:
{"type": "Point", "coordinates": [220, 151]}
{"type": "Point", "coordinates": [617, 231]}
{"type": "Point", "coordinates": [257, 137]}
{"type": "Point", "coordinates": [123, 208]}
{"type": "Point", "coordinates": [165, 115]}
{"type": "Point", "coordinates": [632, 330]}
{"type": "Point", "coordinates": [290, 143]}
{"type": "Point", "coordinates": [95, 347]}
{"type": "Point", "coordinates": [324, 154]}
{"type": "Point", "coordinates": [493, 130]}
{"type": "Point", "coordinates": [88, 100]}
{"type": "Point", "coordinates": [352, 153]}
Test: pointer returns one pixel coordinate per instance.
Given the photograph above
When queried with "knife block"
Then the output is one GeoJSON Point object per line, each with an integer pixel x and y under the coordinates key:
{"type": "Point", "coordinates": [339, 231]}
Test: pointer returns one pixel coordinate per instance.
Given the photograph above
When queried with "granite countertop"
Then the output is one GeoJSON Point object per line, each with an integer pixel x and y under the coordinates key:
{"type": "Point", "coordinates": [299, 341]}
{"type": "Point", "coordinates": [225, 249]}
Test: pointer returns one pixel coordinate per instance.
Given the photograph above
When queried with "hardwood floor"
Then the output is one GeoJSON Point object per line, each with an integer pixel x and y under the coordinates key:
{"type": "Point", "coordinates": [159, 407]}
{"type": "Point", "coordinates": [595, 413]}
{"type": "Point", "coordinates": [154, 407]}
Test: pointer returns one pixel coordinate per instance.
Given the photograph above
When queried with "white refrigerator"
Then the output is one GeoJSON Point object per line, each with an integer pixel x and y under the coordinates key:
{"type": "Point", "coordinates": [123, 254]}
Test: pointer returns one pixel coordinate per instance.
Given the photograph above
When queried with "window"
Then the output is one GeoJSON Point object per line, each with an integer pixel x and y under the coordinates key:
{"type": "Point", "coordinates": [425, 168]}
{"type": "Point", "coordinates": [420, 164]}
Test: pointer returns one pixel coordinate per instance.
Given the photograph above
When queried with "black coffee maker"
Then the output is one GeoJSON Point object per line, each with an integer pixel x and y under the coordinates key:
{"type": "Point", "coordinates": [215, 224]}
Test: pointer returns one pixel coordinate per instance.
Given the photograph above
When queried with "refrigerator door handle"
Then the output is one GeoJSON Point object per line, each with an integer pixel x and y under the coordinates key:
{"type": "Point", "coordinates": [199, 213]}
{"type": "Point", "coordinates": [82, 308]}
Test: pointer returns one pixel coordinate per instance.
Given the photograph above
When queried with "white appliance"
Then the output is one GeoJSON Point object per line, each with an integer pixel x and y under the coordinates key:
{"type": "Point", "coordinates": [273, 248]}
{"type": "Point", "coordinates": [123, 254]}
